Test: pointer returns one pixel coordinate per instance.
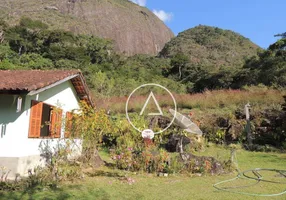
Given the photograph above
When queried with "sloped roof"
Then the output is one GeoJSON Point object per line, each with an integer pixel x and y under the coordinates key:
{"type": "Point", "coordinates": [33, 81]}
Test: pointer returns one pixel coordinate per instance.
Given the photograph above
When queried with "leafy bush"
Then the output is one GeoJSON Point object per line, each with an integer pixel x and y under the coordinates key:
{"type": "Point", "coordinates": [35, 61]}
{"type": "Point", "coordinates": [150, 159]}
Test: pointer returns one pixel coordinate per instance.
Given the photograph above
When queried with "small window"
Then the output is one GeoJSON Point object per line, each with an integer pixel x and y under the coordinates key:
{"type": "Point", "coordinates": [45, 120]}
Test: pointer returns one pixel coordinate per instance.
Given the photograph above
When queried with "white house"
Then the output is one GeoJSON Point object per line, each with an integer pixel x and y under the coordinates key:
{"type": "Point", "coordinates": [27, 102]}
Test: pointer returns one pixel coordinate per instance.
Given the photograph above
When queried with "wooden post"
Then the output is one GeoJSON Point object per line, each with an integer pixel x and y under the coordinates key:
{"type": "Point", "coordinates": [181, 144]}
{"type": "Point", "coordinates": [232, 154]}
{"type": "Point", "coordinates": [248, 125]}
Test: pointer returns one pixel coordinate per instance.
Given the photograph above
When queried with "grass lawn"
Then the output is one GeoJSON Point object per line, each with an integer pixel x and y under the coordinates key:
{"type": "Point", "coordinates": [112, 184]}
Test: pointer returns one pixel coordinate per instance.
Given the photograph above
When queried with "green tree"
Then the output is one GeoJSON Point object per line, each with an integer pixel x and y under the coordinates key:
{"type": "Point", "coordinates": [3, 28]}
{"type": "Point", "coordinates": [35, 61]}
{"type": "Point", "coordinates": [103, 85]}
{"type": "Point", "coordinates": [178, 63]}
{"type": "Point", "coordinates": [24, 37]}
{"type": "Point", "coordinates": [269, 68]}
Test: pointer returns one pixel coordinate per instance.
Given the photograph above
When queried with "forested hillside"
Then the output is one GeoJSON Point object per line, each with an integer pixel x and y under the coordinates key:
{"type": "Point", "coordinates": [211, 46]}
{"type": "Point", "coordinates": [207, 57]}
{"type": "Point", "coordinates": [268, 68]}
{"type": "Point", "coordinates": [32, 45]}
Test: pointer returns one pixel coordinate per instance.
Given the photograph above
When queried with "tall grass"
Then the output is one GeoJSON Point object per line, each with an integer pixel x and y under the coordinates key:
{"type": "Point", "coordinates": [231, 99]}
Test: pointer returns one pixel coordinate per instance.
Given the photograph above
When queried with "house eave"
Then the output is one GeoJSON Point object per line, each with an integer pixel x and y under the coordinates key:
{"type": "Point", "coordinates": [33, 92]}
{"type": "Point", "coordinates": [85, 95]}
{"type": "Point", "coordinates": [34, 88]}
{"type": "Point", "coordinates": [13, 92]}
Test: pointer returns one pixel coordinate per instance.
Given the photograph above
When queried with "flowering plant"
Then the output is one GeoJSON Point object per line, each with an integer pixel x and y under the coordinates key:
{"type": "Point", "coordinates": [150, 159]}
{"type": "Point", "coordinates": [123, 159]}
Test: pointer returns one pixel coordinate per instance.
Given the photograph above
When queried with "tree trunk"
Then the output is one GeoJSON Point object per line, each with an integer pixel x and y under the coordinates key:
{"type": "Point", "coordinates": [20, 50]}
{"type": "Point", "coordinates": [1, 36]}
{"type": "Point", "coordinates": [96, 160]}
{"type": "Point", "coordinates": [180, 72]}
{"type": "Point", "coordinates": [249, 134]}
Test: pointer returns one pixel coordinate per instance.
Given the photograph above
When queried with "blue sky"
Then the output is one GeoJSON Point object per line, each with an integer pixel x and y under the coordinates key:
{"type": "Point", "coordinates": [258, 20]}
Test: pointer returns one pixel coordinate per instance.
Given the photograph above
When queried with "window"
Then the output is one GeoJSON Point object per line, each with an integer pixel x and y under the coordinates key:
{"type": "Point", "coordinates": [45, 120]}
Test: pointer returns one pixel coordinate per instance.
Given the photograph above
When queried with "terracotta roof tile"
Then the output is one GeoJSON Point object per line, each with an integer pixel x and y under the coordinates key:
{"type": "Point", "coordinates": [28, 80]}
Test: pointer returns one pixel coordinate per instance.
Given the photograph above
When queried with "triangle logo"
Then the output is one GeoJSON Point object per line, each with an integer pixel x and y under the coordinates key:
{"type": "Point", "coordinates": [151, 95]}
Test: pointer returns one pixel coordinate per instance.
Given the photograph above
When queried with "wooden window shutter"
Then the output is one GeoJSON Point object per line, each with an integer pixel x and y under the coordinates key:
{"type": "Point", "coordinates": [56, 122]}
{"type": "Point", "coordinates": [68, 128]}
{"type": "Point", "coordinates": [35, 119]}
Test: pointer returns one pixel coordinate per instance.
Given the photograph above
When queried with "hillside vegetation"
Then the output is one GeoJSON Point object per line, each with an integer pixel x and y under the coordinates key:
{"type": "Point", "coordinates": [211, 46]}
{"type": "Point", "coordinates": [211, 58]}
{"type": "Point", "coordinates": [32, 45]}
{"type": "Point", "coordinates": [134, 29]}
{"type": "Point", "coordinates": [268, 68]}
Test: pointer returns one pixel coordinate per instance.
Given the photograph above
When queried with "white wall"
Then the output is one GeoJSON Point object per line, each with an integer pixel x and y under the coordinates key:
{"type": "Point", "coordinates": [15, 141]}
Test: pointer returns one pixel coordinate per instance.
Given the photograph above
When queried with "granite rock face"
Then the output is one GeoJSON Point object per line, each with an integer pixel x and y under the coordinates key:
{"type": "Point", "coordinates": [134, 29]}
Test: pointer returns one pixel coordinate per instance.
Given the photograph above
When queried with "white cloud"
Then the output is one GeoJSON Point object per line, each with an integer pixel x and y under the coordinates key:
{"type": "Point", "coordinates": [164, 16]}
{"type": "Point", "coordinates": [161, 14]}
{"type": "Point", "coordinates": [140, 2]}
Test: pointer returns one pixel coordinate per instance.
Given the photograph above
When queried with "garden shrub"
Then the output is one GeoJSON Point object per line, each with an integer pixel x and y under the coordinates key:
{"type": "Point", "coordinates": [150, 159]}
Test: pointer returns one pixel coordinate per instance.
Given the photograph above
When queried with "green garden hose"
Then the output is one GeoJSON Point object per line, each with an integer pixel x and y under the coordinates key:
{"type": "Point", "coordinates": [258, 178]}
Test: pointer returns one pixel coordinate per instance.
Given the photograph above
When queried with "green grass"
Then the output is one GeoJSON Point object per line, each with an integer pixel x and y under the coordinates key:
{"type": "Point", "coordinates": [111, 184]}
